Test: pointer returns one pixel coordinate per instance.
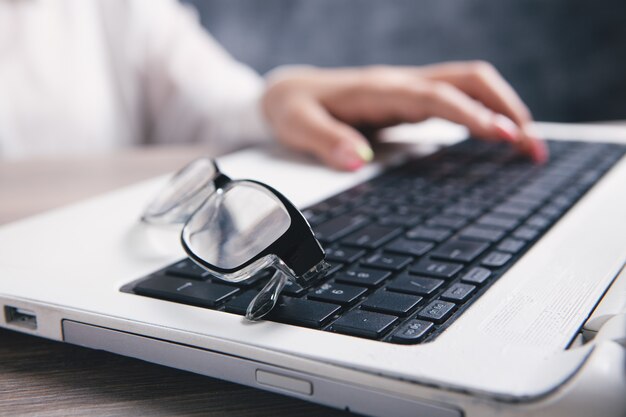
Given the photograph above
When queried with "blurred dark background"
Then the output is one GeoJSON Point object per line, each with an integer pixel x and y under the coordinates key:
{"type": "Point", "coordinates": [566, 58]}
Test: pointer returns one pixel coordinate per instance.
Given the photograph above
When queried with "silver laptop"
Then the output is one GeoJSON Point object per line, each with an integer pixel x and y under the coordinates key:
{"type": "Point", "coordinates": [474, 284]}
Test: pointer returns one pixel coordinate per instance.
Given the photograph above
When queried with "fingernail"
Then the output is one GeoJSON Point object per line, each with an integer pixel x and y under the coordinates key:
{"type": "Point", "coordinates": [539, 151]}
{"type": "Point", "coordinates": [506, 128]}
{"type": "Point", "coordinates": [348, 157]}
{"type": "Point", "coordinates": [354, 165]}
{"type": "Point", "coordinates": [535, 147]}
{"type": "Point", "coordinates": [531, 132]}
{"type": "Point", "coordinates": [365, 152]}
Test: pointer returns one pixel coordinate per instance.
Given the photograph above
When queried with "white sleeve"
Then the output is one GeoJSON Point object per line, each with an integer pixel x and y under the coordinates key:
{"type": "Point", "coordinates": [194, 91]}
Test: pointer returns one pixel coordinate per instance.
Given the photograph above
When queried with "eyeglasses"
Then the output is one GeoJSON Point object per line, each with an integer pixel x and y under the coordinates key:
{"type": "Point", "coordinates": [236, 228]}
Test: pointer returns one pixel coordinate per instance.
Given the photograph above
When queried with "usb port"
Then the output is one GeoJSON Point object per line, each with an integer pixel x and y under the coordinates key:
{"type": "Point", "coordinates": [20, 317]}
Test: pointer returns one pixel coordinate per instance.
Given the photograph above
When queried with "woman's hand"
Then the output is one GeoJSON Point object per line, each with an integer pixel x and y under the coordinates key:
{"type": "Point", "coordinates": [316, 110]}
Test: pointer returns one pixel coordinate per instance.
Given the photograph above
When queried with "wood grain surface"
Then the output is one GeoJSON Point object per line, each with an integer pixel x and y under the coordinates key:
{"type": "Point", "coordinates": [40, 377]}
{"type": "Point", "coordinates": [33, 185]}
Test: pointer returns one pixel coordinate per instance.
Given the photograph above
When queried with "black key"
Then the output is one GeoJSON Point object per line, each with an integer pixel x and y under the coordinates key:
{"type": "Point", "coordinates": [364, 323]}
{"type": "Point", "coordinates": [531, 194]}
{"type": "Point", "coordinates": [437, 311]}
{"type": "Point", "coordinates": [476, 275]}
{"type": "Point", "coordinates": [428, 233]}
{"type": "Point", "coordinates": [447, 221]}
{"type": "Point", "coordinates": [375, 210]}
{"type": "Point", "coordinates": [291, 288]}
{"type": "Point", "coordinates": [562, 202]}
{"type": "Point", "coordinates": [334, 267]}
{"type": "Point", "coordinates": [425, 204]}
{"type": "Point", "coordinates": [538, 222]}
{"type": "Point", "coordinates": [513, 210]}
{"type": "Point", "coordinates": [363, 276]}
{"type": "Point", "coordinates": [412, 331]}
{"type": "Point", "coordinates": [409, 247]}
{"type": "Point", "coordinates": [551, 212]}
{"type": "Point", "coordinates": [303, 312]}
{"type": "Point", "coordinates": [468, 211]}
{"type": "Point", "coordinates": [391, 303]}
{"type": "Point", "coordinates": [476, 201]}
{"type": "Point", "coordinates": [482, 234]}
{"type": "Point", "coordinates": [332, 207]}
{"type": "Point", "coordinates": [337, 293]}
{"type": "Point", "coordinates": [250, 281]}
{"type": "Point", "coordinates": [458, 292]}
{"type": "Point", "coordinates": [314, 217]}
{"type": "Point", "coordinates": [500, 222]}
{"type": "Point", "coordinates": [589, 177]}
{"type": "Point", "coordinates": [438, 269]}
{"type": "Point", "coordinates": [527, 202]}
{"type": "Point", "coordinates": [338, 227]}
{"type": "Point", "coordinates": [409, 210]}
{"type": "Point", "coordinates": [526, 233]}
{"type": "Point", "coordinates": [511, 245]}
{"type": "Point", "coordinates": [459, 250]}
{"type": "Point", "coordinates": [386, 261]}
{"type": "Point", "coordinates": [239, 304]}
{"type": "Point", "coordinates": [371, 237]}
{"type": "Point", "coordinates": [186, 268]}
{"type": "Point", "coordinates": [496, 259]}
{"type": "Point", "coordinates": [413, 284]}
{"type": "Point", "coordinates": [206, 294]}
{"type": "Point", "coordinates": [342, 254]}
{"type": "Point", "coordinates": [402, 220]}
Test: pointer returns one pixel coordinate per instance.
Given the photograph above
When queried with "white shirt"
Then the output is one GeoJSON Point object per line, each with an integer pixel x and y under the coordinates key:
{"type": "Point", "coordinates": [92, 75]}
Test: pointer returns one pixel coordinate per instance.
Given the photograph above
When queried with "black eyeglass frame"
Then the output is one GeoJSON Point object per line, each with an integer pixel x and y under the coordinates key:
{"type": "Point", "coordinates": [296, 249]}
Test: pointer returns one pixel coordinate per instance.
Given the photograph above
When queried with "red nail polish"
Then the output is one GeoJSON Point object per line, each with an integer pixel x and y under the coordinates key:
{"type": "Point", "coordinates": [505, 128]}
{"type": "Point", "coordinates": [503, 134]}
{"type": "Point", "coordinates": [354, 165]}
{"type": "Point", "coordinates": [539, 152]}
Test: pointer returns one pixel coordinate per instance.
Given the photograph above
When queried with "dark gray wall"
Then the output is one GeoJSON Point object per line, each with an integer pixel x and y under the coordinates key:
{"type": "Point", "coordinates": [567, 58]}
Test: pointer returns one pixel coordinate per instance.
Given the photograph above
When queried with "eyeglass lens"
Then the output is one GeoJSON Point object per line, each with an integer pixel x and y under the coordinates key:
{"type": "Point", "coordinates": [234, 226]}
{"type": "Point", "coordinates": [184, 193]}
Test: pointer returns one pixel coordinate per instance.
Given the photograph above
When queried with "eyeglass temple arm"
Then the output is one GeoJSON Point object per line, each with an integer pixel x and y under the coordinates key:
{"type": "Point", "coordinates": [298, 248]}
{"type": "Point", "coordinates": [306, 260]}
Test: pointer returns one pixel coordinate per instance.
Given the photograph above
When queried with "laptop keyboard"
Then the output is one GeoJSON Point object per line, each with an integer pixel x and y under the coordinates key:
{"type": "Point", "coordinates": [413, 248]}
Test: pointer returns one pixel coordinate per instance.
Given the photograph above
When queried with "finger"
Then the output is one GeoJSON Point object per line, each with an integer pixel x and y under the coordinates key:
{"type": "Point", "coordinates": [533, 146]}
{"type": "Point", "coordinates": [389, 95]}
{"type": "Point", "coordinates": [489, 87]}
{"type": "Point", "coordinates": [453, 104]}
{"type": "Point", "coordinates": [483, 82]}
{"type": "Point", "coordinates": [309, 127]}
{"type": "Point", "coordinates": [448, 102]}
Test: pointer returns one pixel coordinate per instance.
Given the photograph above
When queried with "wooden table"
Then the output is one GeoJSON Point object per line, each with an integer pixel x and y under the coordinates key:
{"type": "Point", "coordinates": [39, 377]}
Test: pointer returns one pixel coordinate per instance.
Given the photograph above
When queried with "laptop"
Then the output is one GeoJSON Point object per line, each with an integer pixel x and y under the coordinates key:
{"type": "Point", "coordinates": [467, 282]}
